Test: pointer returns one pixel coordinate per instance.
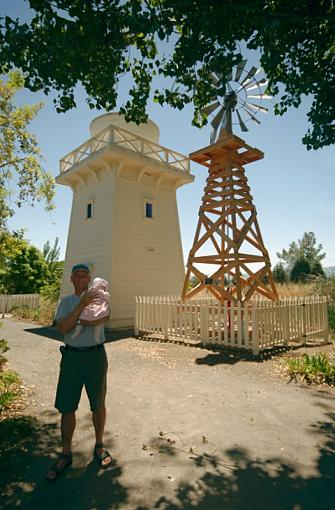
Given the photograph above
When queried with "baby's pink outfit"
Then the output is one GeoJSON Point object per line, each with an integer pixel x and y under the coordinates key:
{"type": "Point", "coordinates": [99, 309]}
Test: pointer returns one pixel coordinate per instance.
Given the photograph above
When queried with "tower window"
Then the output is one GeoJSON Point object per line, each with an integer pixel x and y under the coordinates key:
{"type": "Point", "coordinates": [148, 210]}
{"type": "Point", "coordinates": [89, 210]}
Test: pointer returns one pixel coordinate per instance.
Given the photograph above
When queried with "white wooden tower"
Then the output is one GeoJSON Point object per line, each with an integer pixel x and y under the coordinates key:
{"type": "Point", "coordinates": [124, 219]}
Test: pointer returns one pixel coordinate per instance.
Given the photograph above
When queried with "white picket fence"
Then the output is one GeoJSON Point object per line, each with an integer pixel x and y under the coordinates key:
{"type": "Point", "coordinates": [255, 325]}
{"type": "Point", "coordinates": [10, 301]}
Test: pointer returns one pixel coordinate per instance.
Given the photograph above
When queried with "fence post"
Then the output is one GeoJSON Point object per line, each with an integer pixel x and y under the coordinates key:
{"type": "Point", "coordinates": [204, 323]}
{"type": "Point", "coordinates": [136, 328]}
{"type": "Point", "coordinates": [167, 318]}
{"type": "Point", "coordinates": [255, 330]}
{"type": "Point", "coordinates": [239, 324]}
{"type": "Point", "coordinates": [225, 323]}
{"type": "Point", "coordinates": [246, 325]}
{"type": "Point", "coordinates": [303, 321]}
{"type": "Point", "coordinates": [325, 319]}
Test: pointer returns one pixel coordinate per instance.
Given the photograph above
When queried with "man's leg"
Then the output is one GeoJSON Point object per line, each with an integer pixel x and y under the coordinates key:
{"type": "Point", "coordinates": [68, 424]}
{"type": "Point", "coordinates": [99, 420]}
{"type": "Point", "coordinates": [96, 382]}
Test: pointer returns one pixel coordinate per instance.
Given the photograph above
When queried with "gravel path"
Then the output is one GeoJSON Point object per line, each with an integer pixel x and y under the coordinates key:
{"type": "Point", "coordinates": [188, 428]}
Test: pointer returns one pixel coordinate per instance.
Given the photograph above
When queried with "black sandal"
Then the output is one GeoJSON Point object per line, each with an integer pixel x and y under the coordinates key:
{"type": "Point", "coordinates": [101, 457]}
{"type": "Point", "coordinates": [58, 471]}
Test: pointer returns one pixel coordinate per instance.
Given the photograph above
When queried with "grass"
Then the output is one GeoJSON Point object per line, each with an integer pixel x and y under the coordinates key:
{"type": "Point", "coordinates": [290, 290]}
{"type": "Point", "coordinates": [317, 368]}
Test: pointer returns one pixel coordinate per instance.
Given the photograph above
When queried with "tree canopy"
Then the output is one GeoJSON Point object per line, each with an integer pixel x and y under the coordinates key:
{"type": "Point", "coordinates": [279, 274]}
{"type": "Point", "coordinates": [96, 42]}
{"type": "Point", "coordinates": [306, 248]}
{"type": "Point", "coordinates": [20, 159]}
{"type": "Point", "coordinates": [24, 269]}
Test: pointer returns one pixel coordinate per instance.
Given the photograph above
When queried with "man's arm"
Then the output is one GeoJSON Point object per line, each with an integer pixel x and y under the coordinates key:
{"type": "Point", "coordinates": [67, 323]}
{"type": "Point", "coordinates": [94, 323]}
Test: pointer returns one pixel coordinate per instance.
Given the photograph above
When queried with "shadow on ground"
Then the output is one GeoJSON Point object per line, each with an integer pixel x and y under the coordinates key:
{"type": "Point", "coordinates": [251, 484]}
{"type": "Point", "coordinates": [219, 354]}
{"type": "Point", "coordinates": [53, 333]}
{"type": "Point", "coordinates": [27, 451]}
{"type": "Point", "coordinates": [230, 356]}
{"type": "Point", "coordinates": [241, 482]}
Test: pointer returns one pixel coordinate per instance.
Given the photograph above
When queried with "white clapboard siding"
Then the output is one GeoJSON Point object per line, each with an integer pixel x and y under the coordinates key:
{"type": "Point", "coordinates": [10, 301]}
{"type": "Point", "coordinates": [253, 326]}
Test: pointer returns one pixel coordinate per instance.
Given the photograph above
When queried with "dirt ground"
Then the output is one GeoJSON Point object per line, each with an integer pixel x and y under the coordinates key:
{"type": "Point", "coordinates": [188, 428]}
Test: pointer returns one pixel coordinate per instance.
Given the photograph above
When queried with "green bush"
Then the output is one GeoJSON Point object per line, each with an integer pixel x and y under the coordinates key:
{"type": "Point", "coordinates": [9, 380]}
{"type": "Point", "coordinates": [3, 348]}
{"type": "Point", "coordinates": [317, 368]}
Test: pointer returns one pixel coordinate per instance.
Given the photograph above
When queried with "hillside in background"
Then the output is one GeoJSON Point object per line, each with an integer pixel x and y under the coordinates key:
{"type": "Point", "coordinates": [330, 271]}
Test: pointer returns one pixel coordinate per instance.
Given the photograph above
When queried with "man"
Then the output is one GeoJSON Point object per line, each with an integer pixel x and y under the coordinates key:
{"type": "Point", "coordinates": [84, 363]}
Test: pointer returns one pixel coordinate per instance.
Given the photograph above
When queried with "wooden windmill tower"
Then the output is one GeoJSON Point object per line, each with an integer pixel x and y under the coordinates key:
{"type": "Point", "coordinates": [228, 243]}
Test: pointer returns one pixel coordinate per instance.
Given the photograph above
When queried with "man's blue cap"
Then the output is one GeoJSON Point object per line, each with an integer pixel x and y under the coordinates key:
{"type": "Point", "coordinates": [80, 267]}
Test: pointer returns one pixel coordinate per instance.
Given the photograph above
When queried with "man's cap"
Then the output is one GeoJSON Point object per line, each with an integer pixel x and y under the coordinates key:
{"type": "Point", "coordinates": [80, 267]}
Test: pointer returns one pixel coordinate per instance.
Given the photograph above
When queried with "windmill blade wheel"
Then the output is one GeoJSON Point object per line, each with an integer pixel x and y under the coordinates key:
{"type": "Point", "coordinates": [238, 95]}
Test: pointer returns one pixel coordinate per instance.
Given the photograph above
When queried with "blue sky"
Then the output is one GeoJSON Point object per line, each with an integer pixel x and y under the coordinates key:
{"type": "Point", "coordinates": [293, 189]}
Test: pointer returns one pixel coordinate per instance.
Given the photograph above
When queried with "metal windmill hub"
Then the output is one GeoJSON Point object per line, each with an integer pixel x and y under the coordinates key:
{"type": "Point", "coordinates": [230, 101]}
{"type": "Point", "coordinates": [241, 93]}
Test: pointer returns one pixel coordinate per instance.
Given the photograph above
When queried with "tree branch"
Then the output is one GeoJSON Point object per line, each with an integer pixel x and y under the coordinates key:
{"type": "Point", "coordinates": [13, 161]}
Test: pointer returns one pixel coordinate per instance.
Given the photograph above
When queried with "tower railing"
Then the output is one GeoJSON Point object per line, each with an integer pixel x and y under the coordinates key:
{"type": "Point", "coordinates": [118, 137]}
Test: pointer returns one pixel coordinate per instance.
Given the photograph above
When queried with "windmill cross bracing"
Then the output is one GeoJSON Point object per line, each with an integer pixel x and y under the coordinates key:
{"type": "Point", "coordinates": [228, 258]}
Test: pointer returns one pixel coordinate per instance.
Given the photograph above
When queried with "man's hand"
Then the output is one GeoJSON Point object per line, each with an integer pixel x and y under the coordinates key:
{"type": "Point", "coordinates": [89, 296]}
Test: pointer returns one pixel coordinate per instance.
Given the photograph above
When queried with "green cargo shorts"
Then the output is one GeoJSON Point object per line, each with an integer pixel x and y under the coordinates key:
{"type": "Point", "coordinates": [78, 369]}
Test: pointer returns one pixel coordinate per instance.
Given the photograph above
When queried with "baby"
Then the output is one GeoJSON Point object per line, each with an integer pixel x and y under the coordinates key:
{"type": "Point", "coordinates": [98, 309]}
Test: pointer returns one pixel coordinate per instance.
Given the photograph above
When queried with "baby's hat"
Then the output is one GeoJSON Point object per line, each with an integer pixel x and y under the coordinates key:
{"type": "Point", "coordinates": [99, 283]}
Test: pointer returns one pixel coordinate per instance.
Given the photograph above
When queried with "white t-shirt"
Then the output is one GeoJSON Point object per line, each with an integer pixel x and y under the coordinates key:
{"type": "Point", "coordinates": [86, 336]}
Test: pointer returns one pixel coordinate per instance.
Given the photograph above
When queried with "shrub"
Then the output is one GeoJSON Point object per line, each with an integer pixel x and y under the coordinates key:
{"type": "Point", "coordinates": [9, 380]}
{"type": "Point", "coordinates": [44, 314]}
{"type": "Point", "coordinates": [21, 311]}
{"type": "Point", "coordinates": [47, 311]}
{"type": "Point", "coordinates": [3, 348]}
{"type": "Point", "coordinates": [317, 368]}
{"type": "Point", "coordinates": [324, 287]}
